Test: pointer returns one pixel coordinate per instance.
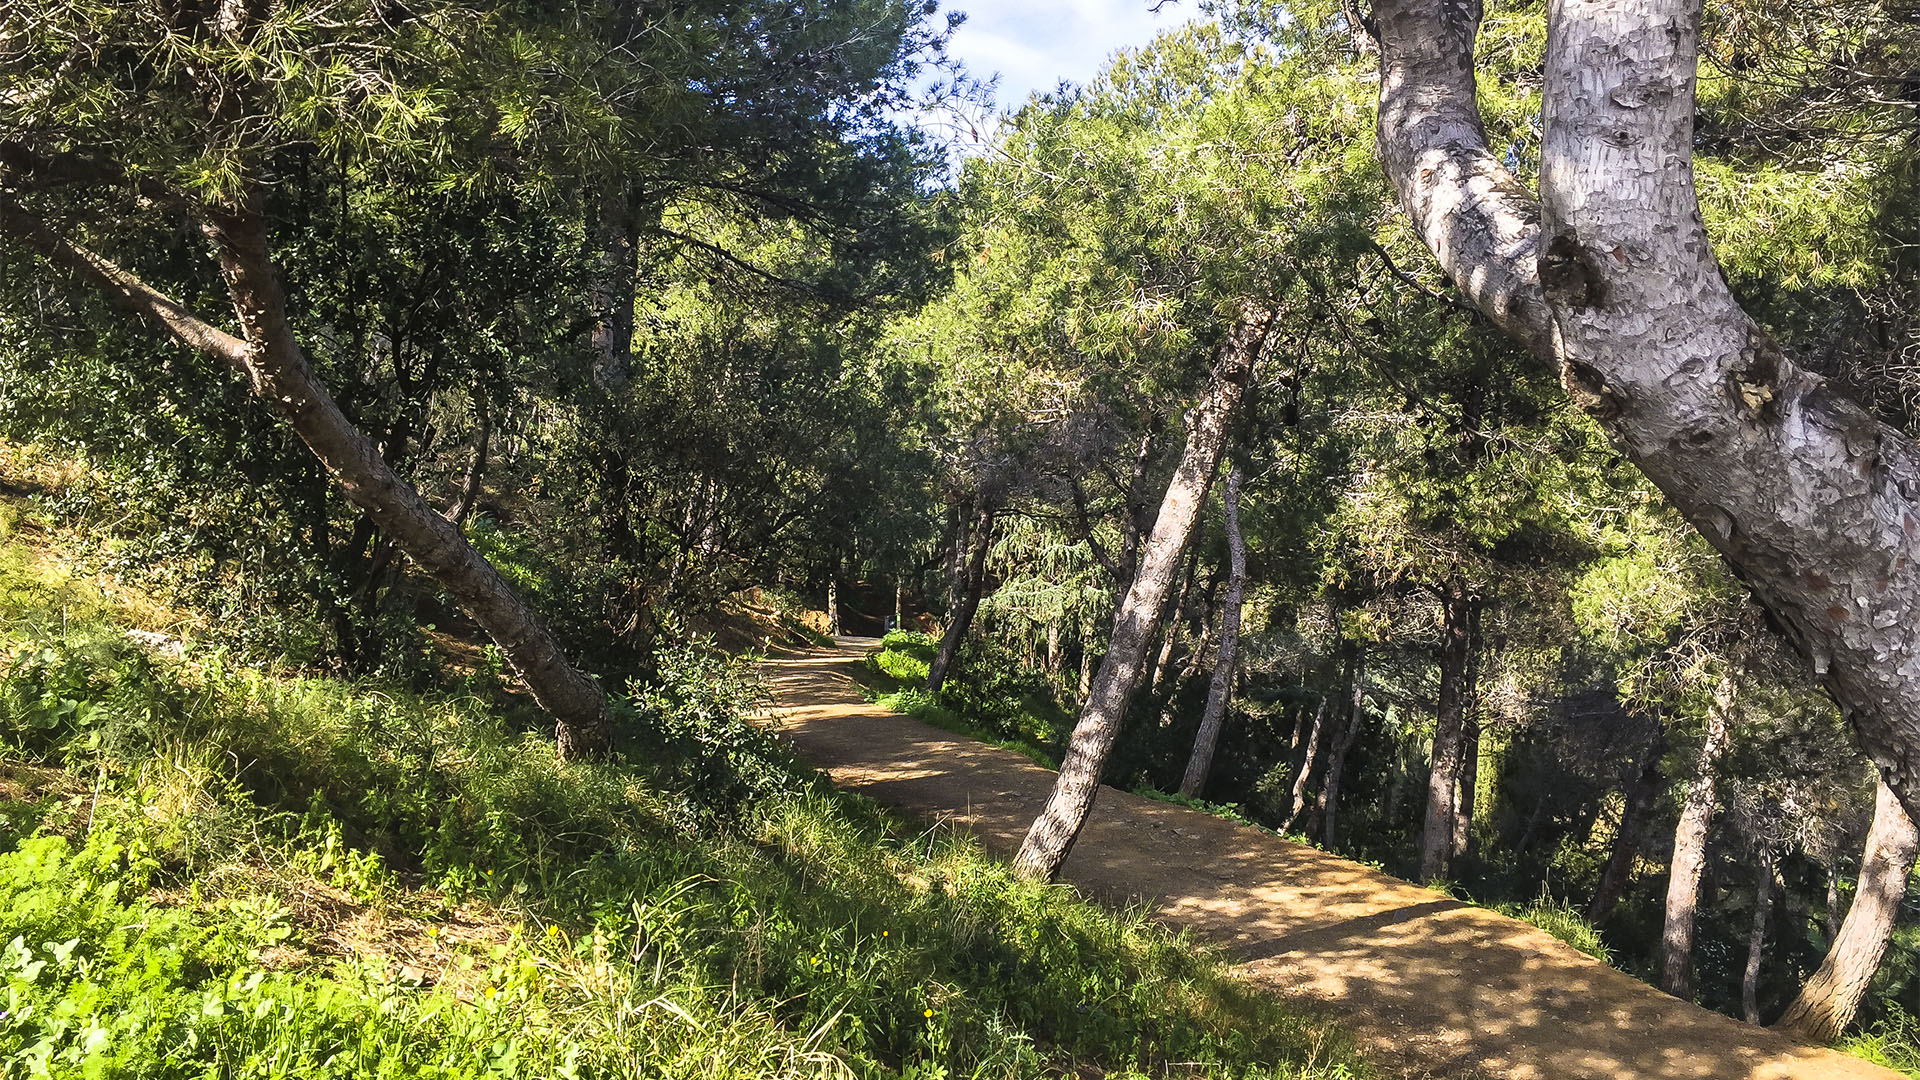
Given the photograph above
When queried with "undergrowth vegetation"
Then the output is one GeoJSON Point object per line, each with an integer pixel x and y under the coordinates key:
{"type": "Point", "coordinates": [208, 869]}
{"type": "Point", "coordinates": [989, 699]}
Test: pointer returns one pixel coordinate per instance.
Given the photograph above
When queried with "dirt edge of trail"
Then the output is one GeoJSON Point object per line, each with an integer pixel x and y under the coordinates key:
{"type": "Point", "coordinates": [1427, 985]}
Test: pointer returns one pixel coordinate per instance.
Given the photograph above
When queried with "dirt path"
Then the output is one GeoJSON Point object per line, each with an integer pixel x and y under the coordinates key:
{"type": "Point", "coordinates": [1428, 985]}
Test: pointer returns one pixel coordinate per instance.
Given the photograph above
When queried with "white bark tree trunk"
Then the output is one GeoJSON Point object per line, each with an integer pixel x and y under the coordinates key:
{"type": "Point", "coordinates": [1051, 837]}
{"type": "Point", "coordinates": [1815, 503]}
{"type": "Point", "coordinates": [1826, 1004]}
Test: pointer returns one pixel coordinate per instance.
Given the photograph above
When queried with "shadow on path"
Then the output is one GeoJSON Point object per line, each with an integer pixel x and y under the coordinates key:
{"type": "Point", "coordinates": [1426, 984]}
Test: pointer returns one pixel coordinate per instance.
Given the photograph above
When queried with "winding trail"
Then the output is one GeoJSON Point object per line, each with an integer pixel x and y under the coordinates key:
{"type": "Point", "coordinates": [1429, 986]}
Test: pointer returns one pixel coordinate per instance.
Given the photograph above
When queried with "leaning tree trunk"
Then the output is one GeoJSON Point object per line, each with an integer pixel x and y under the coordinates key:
{"type": "Point", "coordinates": [1436, 838]}
{"type": "Point", "coordinates": [1757, 936]}
{"type": "Point", "coordinates": [973, 580]}
{"type": "Point", "coordinates": [1200, 762]}
{"type": "Point", "coordinates": [1337, 760]}
{"type": "Point", "coordinates": [1051, 836]}
{"type": "Point", "coordinates": [1826, 1004]}
{"type": "Point", "coordinates": [1815, 503]}
{"type": "Point", "coordinates": [276, 368]}
{"type": "Point", "coordinates": [1308, 760]}
{"type": "Point", "coordinates": [1690, 848]}
{"type": "Point", "coordinates": [1645, 789]}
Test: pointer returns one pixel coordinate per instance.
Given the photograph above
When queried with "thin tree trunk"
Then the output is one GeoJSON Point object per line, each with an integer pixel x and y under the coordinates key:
{"type": "Point", "coordinates": [1612, 274]}
{"type": "Point", "coordinates": [1469, 789]}
{"type": "Point", "coordinates": [974, 581]}
{"type": "Point", "coordinates": [276, 368]}
{"type": "Point", "coordinates": [1827, 1003]}
{"type": "Point", "coordinates": [1690, 848]}
{"type": "Point", "coordinates": [833, 604]}
{"type": "Point", "coordinates": [1757, 936]}
{"type": "Point", "coordinates": [1436, 838]}
{"type": "Point", "coordinates": [1087, 663]}
{"type": "Point", "coordinates": [476, 465]}
{"type": "Point", "coordinates": [1053, 649]}
{"type": "Point", "coordinates": [1833, 900]}
{"type": "Point", "coordinates": [1187, 671]}
{"type": "Point", "coordinates": [610, 292]}
{"type": "Point", "coordinates": [1170, 623]}
{"type": "Point", "coordinates": [1200, 762]}
{"type": "Point", "coordinates": [1051, 837]}
{"type": "Point", "coordinates": [1645, 789]}
{"type": "Point", "coordinates": [1337, 760]}
{"type": "Point", "coordinates": [1303, 778]}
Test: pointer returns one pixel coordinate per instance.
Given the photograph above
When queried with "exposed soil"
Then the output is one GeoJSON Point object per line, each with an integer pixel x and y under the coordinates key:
{"type": "Point", "coordinates": [1429, 986]}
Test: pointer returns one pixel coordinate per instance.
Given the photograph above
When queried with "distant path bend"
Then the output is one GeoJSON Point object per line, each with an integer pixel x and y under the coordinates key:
{"type": "Point", "coordinates": [1427, 985]}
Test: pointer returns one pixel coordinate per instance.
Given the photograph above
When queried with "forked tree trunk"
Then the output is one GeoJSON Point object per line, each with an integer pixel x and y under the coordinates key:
{"type": "Point", "coordinates": [1641, 795]}
{"type": "Point", "coordinates": [276, 368]}
{"type": "Point", "coordinates": [1815, 503]}
{"type": "Point", "coordinates": [1051, 837]}
{"type": "Point", "coordinates": [1827, 1003]}
{"type": "Point", "coordinates": [1220, 692]}
{"type": "Point", "coordinates": [973, 580]}
{"type": "Point", "coordinates": [1757, 936]}
{"type": "Point", "coordinates": [1337, 760]}
{"type": "Point", "coordinates": [1436, 838]}
{"type": "Point", "coordinates": [1690, 848]}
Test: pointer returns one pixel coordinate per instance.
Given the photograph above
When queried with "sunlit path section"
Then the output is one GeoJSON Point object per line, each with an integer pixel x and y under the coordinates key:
{"type": "Point", "coordinates": [1428, 985]}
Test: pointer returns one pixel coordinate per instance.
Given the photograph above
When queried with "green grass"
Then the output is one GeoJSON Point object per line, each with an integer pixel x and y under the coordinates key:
{"type": "Point", "coordinates": [1558, 918]}
{"type": "Point", "coordinates": [1019, 719]}
{"type": "Point", "coordinates": [213, 870]}
{"type": "Point", "coordinates": [1893, 1041]}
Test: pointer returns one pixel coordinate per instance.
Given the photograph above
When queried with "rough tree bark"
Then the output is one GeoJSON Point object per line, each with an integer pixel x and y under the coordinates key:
{"type": "Point", "coordinates": [973, 580]}
{"type": "Point", "coordinates": [1815, 503]}
{"type": "Point", "coordinates": [1200, 762]}
{"type": "Point", "coordinates": [1690, 847]}
{"type": "Point", "coordinates": [1337, 760]}
{"type": "Point", "coordinates": [1436, 837]}
{"type": "Point", "coordinates": [1828, 1001]}
{"type": "Point", "coordinates": [833, 604]}
{"type": "Point", "coordinates": [1757, 935]}
{"type": "Point", "coordinates": [269, 356]}
{"type": "Point", "coordinates": [1051, 836]}
{"type": "Point", "coordinates": [1648, 782]}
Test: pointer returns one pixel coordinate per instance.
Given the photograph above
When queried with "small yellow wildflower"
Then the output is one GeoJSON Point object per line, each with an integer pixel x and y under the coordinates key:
{"type": "Point", "coordinates": [816, 961]}
{"type": "Point", "coordinates": [489, 992]}
{"type": "Point", "coordinates": [928, 1014]}
{"type": "Point", "coordinates": [553, 930]}
{"type": "Point", "coordinates": [886, 933]}
{"type": "Point", "coordinates": [433, 932]}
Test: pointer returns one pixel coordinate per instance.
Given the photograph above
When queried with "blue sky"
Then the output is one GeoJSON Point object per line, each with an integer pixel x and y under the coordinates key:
{"type": "Point", "coordinates": [1034, 44]}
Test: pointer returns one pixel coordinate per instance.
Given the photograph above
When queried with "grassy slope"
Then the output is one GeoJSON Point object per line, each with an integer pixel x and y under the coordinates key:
{"type": "Point", "coordinates": [210, 870]}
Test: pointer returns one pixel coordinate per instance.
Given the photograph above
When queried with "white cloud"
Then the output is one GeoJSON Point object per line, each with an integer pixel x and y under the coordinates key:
{"type": "Point", "coordinates": [1034, 44]}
